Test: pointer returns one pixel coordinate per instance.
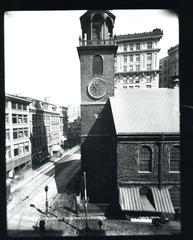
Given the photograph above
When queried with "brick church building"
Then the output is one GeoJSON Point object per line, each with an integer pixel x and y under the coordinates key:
{"type": "Point", "coordinates": [130, 148]}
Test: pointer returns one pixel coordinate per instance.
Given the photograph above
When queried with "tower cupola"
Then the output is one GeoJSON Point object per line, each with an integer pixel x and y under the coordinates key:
{"type": "Point", "coordinates": [97, 28]}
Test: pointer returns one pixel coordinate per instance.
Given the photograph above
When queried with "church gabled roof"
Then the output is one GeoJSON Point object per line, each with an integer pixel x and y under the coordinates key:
{"type": "Point", "coordinates": [148, 111]}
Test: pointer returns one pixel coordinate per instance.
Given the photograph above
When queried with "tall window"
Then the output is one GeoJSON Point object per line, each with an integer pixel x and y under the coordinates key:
{"type": "Point", "coordinates": [137, 67]}
{"type": "Point", "coordinates": [149, 45]}
{"type": "Point", "coordinates": [131, 46]}
{"type": "Point", "coordinates": [7, 134]}
{"type": "Point", "coordinates": [137, 46]}
{"type": "Point", "coordinates": [148, 66]}
{"type": "Point", "coordinates": [175, 159]}
{"type": "Point", "coordinates": [125, 58]}
{"type": "Point", "coordinates": [14, 106]}
{"type": "Point", "coordinates": [137, 57]}
{"type": "Point", "coordinates": [131, 58]}
{"type": "Point", "coordinates": [149, 56]}
{"type": "Point", "coordinates": [97, 65]}
{"type": "Point", "coordinates": [130, 79]}
{"type": "Point", "coordinates": [97, 27]}
{"type": "Point", "coordinates": [16, 150]}
{"type": "Point", "coordinates": [175, 196]}
{"type": "Point", "coordinates": [125, 68]}
{"type": "Point", "coordinates": [8, 152]}
{"type": "Point", "coordinates": [137, 80]}
{"type": "Point", "coordinates": [145, 159]}
{"type": "Point", "coordinates": [124, 47]}
{"type": "Point", "coordinates": [148, 79]}
{"type": "Point", "coordinates": [6, 118]}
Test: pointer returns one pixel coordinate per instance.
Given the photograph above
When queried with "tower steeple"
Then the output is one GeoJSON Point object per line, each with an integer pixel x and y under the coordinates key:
{"type": "Point", "coordinates": [97, 28]}
{"type": "Point", "coordinates": [96, 51]}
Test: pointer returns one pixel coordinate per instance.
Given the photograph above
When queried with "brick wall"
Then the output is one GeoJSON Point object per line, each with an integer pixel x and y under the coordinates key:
{"type": "Point", "coordinates": [128, 158]}
{"type": "Point", "coordinates": [96, 119]}
{"type": "Point", "coordinates": [86, 57]}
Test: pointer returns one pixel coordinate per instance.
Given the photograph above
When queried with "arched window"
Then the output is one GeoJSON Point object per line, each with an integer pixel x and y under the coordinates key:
{"type": "Point", "coordinates": [97, 27]}
{"type": "Point", "coordinates": [109, 26]}
{"type": "Point", "coordinates": [145, 159]}
{"type": "Point", "coordinates": [97, 65]}
{"type": "Point", "coordinates": [175, 196]}
{"type": "Point", "coordinates": [175, 159]}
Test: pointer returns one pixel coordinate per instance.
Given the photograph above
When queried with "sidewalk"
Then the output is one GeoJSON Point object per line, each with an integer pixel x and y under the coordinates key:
{"type": "Point", "coordinates": [67, 223]}
{"type": "Point", "coordinates": [16, 196]}
{"type": "Point", "coordinates": [32, 173]}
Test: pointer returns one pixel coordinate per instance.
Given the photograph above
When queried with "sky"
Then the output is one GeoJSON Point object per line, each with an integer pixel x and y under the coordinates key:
{"type": "Point", "coordinates": [41, 58]}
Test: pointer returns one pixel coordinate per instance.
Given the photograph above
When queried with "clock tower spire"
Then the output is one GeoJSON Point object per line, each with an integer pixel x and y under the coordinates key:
{"type": "Point", "coordinates": [96, 51]}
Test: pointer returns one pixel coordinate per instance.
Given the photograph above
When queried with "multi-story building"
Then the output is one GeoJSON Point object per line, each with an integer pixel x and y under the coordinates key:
{"type": "Point", "coordinates": [48, 129]}
{"type": "Point", "coordinates": [18, 147]}
{"type": "Point", "coordinates": [136, 62]}
{"type": "Point", "coordinates": [169, 68]}
{"type": "Point", "coordinates": [63, 125]}
{"type": "Point", "coordinates": [164, 72]}
{"type": "Point", "coordinates": [35, 130]}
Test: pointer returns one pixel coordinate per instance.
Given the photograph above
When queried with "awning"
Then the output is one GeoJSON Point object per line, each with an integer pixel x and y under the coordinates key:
{"type": "Point", "coordinates": [56, 148]}
{"type": "Point", "coordinates": [162, 200]}
{"type": "Point", "coordinates": [146, 205]}
{"type": "Point", "coordinates": [129, 199]}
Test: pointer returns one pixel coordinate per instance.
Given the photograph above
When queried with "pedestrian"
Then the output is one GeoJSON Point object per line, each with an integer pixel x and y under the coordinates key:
{"type": "Point", "coordinates": [42, 225]}
{"type": "Point", "coordinates": [177, 214]}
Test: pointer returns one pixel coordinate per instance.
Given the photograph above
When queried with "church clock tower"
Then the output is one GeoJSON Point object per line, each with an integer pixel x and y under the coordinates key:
{"type": "Point", "coordinates": [96, 51]}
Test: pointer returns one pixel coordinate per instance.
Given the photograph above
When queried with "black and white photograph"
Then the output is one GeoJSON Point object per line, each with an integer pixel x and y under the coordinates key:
{"type": "Point", "coordinates": [92, 123]}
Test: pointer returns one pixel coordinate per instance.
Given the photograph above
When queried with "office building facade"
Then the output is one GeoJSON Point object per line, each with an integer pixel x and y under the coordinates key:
{"type": "Point", "coordinates": [136, 62]}
{"type": "Point", "coordinates": [17, 140]}
{"type": "Point", "coordinates": [169, 68]}
{"type": "Point", "coordinates": [48, 126]}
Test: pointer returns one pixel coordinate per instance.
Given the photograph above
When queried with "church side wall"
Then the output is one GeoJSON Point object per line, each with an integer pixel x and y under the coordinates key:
{"type": "Point", "coordinates": [128, 161]}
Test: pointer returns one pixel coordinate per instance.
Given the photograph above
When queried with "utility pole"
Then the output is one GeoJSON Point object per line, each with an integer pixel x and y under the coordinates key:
{"type": "Point", "coordinates": [85, 201]}
{"type": "Point", "coordinates": [46, 190]}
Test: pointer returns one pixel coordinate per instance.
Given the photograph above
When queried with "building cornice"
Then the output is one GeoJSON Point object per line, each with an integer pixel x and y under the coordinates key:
{"type": "Point", "coordinates": [138, 72]}
{"type": "Point", "coordinates": [138, 39]}
{"type": "Point", "coordinates": [153, 136]}
{"type": "Point", "coordinates": [138, 51]}
{"type": "Point", "coordinates": [9, 96]}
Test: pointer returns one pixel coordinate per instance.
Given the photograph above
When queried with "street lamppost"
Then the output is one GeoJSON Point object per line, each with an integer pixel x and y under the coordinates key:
{"type": "Point", "coordinates": [86, 202]}
{"type": "Point", "coordinates": [46, 190]}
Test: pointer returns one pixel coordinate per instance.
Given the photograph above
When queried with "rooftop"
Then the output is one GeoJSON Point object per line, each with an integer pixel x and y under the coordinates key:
{"type": "Point", "coordinates": [146, 111]}
{"type": "Point", "coordinates": [134, 36]}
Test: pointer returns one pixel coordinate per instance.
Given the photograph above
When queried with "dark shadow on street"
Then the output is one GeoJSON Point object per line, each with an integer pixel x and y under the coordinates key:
{"type": "Point", "coordinates": [66, 174]}
{"type": "Point", "coordinates": [91, 232]}
{"type": "Point", "coordinates": [34, 233]}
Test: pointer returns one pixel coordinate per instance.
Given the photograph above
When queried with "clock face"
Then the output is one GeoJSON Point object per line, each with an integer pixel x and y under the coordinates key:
{"type": "Point", "coordinates": [97, 88]}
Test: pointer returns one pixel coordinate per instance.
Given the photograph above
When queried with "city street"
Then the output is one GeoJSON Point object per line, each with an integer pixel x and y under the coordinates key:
{"type": "Point", "coordinates": [57, 175]}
